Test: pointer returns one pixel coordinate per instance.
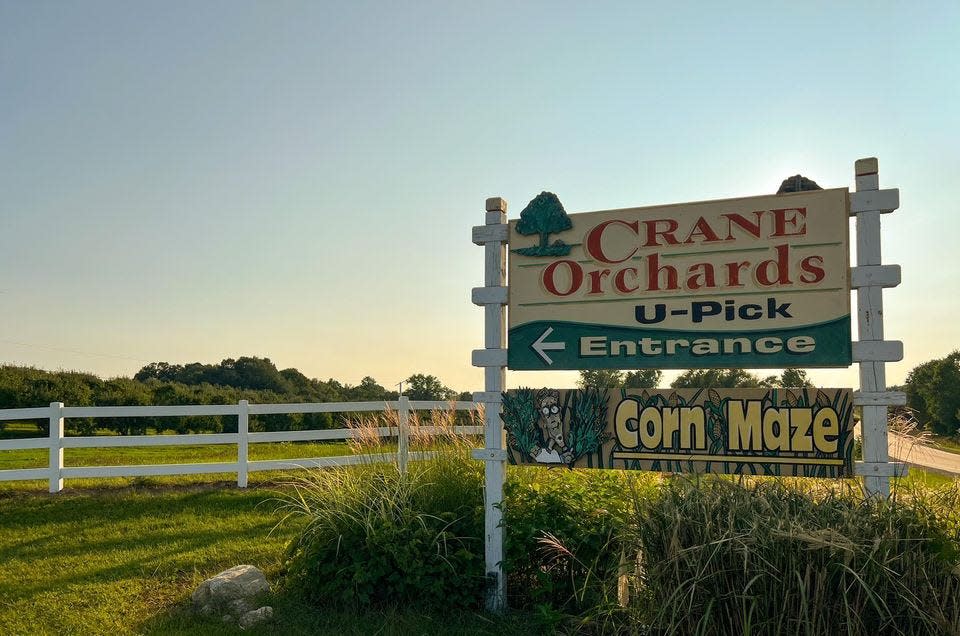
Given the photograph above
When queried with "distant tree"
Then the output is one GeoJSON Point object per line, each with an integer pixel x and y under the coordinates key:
{"type": "Point", "coordinates": [427, 387]}
{"type": "Point", "coordinates": [615, 379]}
{"type": "Point", "coordinates": [768, 382]}
{"type": "Point", "coordinates": [253, 373]}
{"type": "Point", "coordinates": [716, 378]}
{"type": "Point", "coordinates": [368, 390]}
{"type": "Point", "coordinates": [245, 372]}
{"type": "Point", "coordinates": [600, 379]}
{"type": "Point", "coordinates": [933, 392]}
{"type": "Point", "coordinates": [159, 371]}
{"type": "Point", "coordinates": [299, 383]}
{"type": "Point", "coordinates": [642, 379]}
{"type": "Point", "coordinates": [795, 378]}
{"type": "Point", "coordinates": [544, 215]}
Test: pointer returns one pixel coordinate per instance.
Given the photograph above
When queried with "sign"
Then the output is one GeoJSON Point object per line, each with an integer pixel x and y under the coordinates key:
{"type": "Point", "coordinates": [778, 432]}
{"type": "Point", "coordinates": [759, 282]}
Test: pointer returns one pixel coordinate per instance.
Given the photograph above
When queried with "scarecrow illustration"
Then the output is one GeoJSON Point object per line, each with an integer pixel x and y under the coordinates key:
{"type": "Point", "coordinates": [548, 426]}
{"type": "Point", "coordinates": [550, 423]}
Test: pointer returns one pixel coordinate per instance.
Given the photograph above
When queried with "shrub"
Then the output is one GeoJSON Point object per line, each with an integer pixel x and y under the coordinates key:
{"type": "Point", "coordinates": [564, 534]}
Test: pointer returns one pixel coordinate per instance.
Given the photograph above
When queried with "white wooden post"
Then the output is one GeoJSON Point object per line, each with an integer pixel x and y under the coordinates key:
{"type": "Point", "coordinates": [869, 278]}
{"type": "Point", "coordinates": [403, 434]}
{"type": "Point", "coordinates": [494, 360]}
{"type": "Point", "coordinates": [243, 443]}
{"type": "Point", "coordinates": [56, 446]}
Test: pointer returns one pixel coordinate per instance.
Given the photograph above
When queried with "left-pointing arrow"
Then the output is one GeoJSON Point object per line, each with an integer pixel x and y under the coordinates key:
{"type": "Point", "coordinates": [541, 346]}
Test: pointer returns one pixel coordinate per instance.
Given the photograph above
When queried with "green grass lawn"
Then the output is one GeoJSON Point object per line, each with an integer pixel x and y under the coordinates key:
{"type": "Point", "coordinates": [125, 561]}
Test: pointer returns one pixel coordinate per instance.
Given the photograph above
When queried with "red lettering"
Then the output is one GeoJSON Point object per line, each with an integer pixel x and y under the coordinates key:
{"type": "Point", "coordinates": [781, 265]}
{"type": "Point", "coordinates": [596, 279]}
{"type": "Point", "coordinates": [667, 234]}
{"type": "Point", "coordinates": [812, 272]}
{"type": "Point", "coordinates": [594, 240]}
{"type": "Point", "coordinates": [620, 280]}
{"type": "Point", "coordinates": [743, 223]}
{"type": "Point", "coordinates": [733, 273]}
{"type": "Point", "coordinates": [702, 228]}
{"type": "Point", "coordinates": [797, 221]}
{"type": "Point", "coordinates": [706, 276]}
{"type": "Point", "coordinates": [549, 273]}
{"type": "Point", "coordinates": [653, 274]}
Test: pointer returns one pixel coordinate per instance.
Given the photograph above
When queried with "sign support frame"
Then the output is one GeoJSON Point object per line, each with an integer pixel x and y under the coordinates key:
{"type": "Point", "coordinates": [493, 298]}
{"type": "Point", "coordinates": [869, 278]}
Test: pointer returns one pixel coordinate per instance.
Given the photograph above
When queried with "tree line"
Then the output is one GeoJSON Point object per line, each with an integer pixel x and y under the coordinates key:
{"type": "Point", "coordinates": [247, 378]}
{"type": "Point", "coordinates": [932, 388]}
{"type": "Point", "coordinates": [692, 378]}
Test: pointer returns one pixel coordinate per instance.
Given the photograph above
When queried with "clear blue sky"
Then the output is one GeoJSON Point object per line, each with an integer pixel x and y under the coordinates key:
{"type": "Point", "coordinates": [186, 181]}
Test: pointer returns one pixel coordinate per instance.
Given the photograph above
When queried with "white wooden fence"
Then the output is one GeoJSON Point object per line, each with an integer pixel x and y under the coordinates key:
{"type": "Point", "coordinates": [56, 442]}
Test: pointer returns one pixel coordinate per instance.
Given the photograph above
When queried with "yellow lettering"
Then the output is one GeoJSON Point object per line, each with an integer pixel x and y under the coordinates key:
{"type": "Point", "coordinates": [626, 414]}
{"type": "Point", "coordinates": [651, 426]}
{"type": "Point", "coordinates": [743, 431]}
{"type": "Point", "coordinates": [826, 428]}
{"type": "Point", "coordinates": [800, 420]}
{"type": "Point", "coordinates": [693, 432]}
{"type": "Point", "coordinates": [671, 424]}
{"type": "Point", "coordinates": [776, 429]}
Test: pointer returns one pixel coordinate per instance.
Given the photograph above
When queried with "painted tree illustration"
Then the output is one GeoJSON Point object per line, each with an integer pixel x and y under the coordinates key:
{"type": "Point", "coordinates": [544, 215]}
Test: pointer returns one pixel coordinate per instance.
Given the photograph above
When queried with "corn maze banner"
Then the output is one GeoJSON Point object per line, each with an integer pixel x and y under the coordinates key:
{"type": "Point", "coordinates": [780, 432]}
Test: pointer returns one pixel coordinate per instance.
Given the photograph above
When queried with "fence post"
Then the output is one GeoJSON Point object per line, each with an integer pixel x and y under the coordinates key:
{"type": "Point", "coordinates": [56, 446]}
{"type": "Point", "coordinates": [243, 428]}
{"type": "Point", "coordinates": [403, 434]}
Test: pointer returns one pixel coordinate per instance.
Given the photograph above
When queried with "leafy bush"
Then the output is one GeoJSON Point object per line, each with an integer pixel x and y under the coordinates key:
{"type": "Point", "coordinates": [564, 535]}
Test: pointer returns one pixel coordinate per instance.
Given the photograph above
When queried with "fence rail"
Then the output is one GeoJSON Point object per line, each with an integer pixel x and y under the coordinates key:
{"type": "Point", "coordinates": [56, 441]}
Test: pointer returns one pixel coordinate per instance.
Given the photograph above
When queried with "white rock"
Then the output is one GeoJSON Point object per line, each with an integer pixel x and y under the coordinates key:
{"type": "Point", "coordinates": [256, 617]}
{"type": "Point", "coordinates": [240, 582]}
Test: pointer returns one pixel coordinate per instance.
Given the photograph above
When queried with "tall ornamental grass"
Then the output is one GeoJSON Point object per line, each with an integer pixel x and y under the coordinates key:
{"type": "Point", "coordinates": [783, 557]}
{"type": "Point", "coordinates": [376, 536]}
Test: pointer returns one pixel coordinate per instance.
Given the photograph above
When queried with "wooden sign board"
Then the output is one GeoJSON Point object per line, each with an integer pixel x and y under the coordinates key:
{"type": "Point", "coordinates": [759, 282]}
{"type": "Point", "coordinates": [779, 432]}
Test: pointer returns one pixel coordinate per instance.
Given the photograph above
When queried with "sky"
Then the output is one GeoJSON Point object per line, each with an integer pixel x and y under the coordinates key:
{"type": "Point", "coordinates": [192, 181]}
